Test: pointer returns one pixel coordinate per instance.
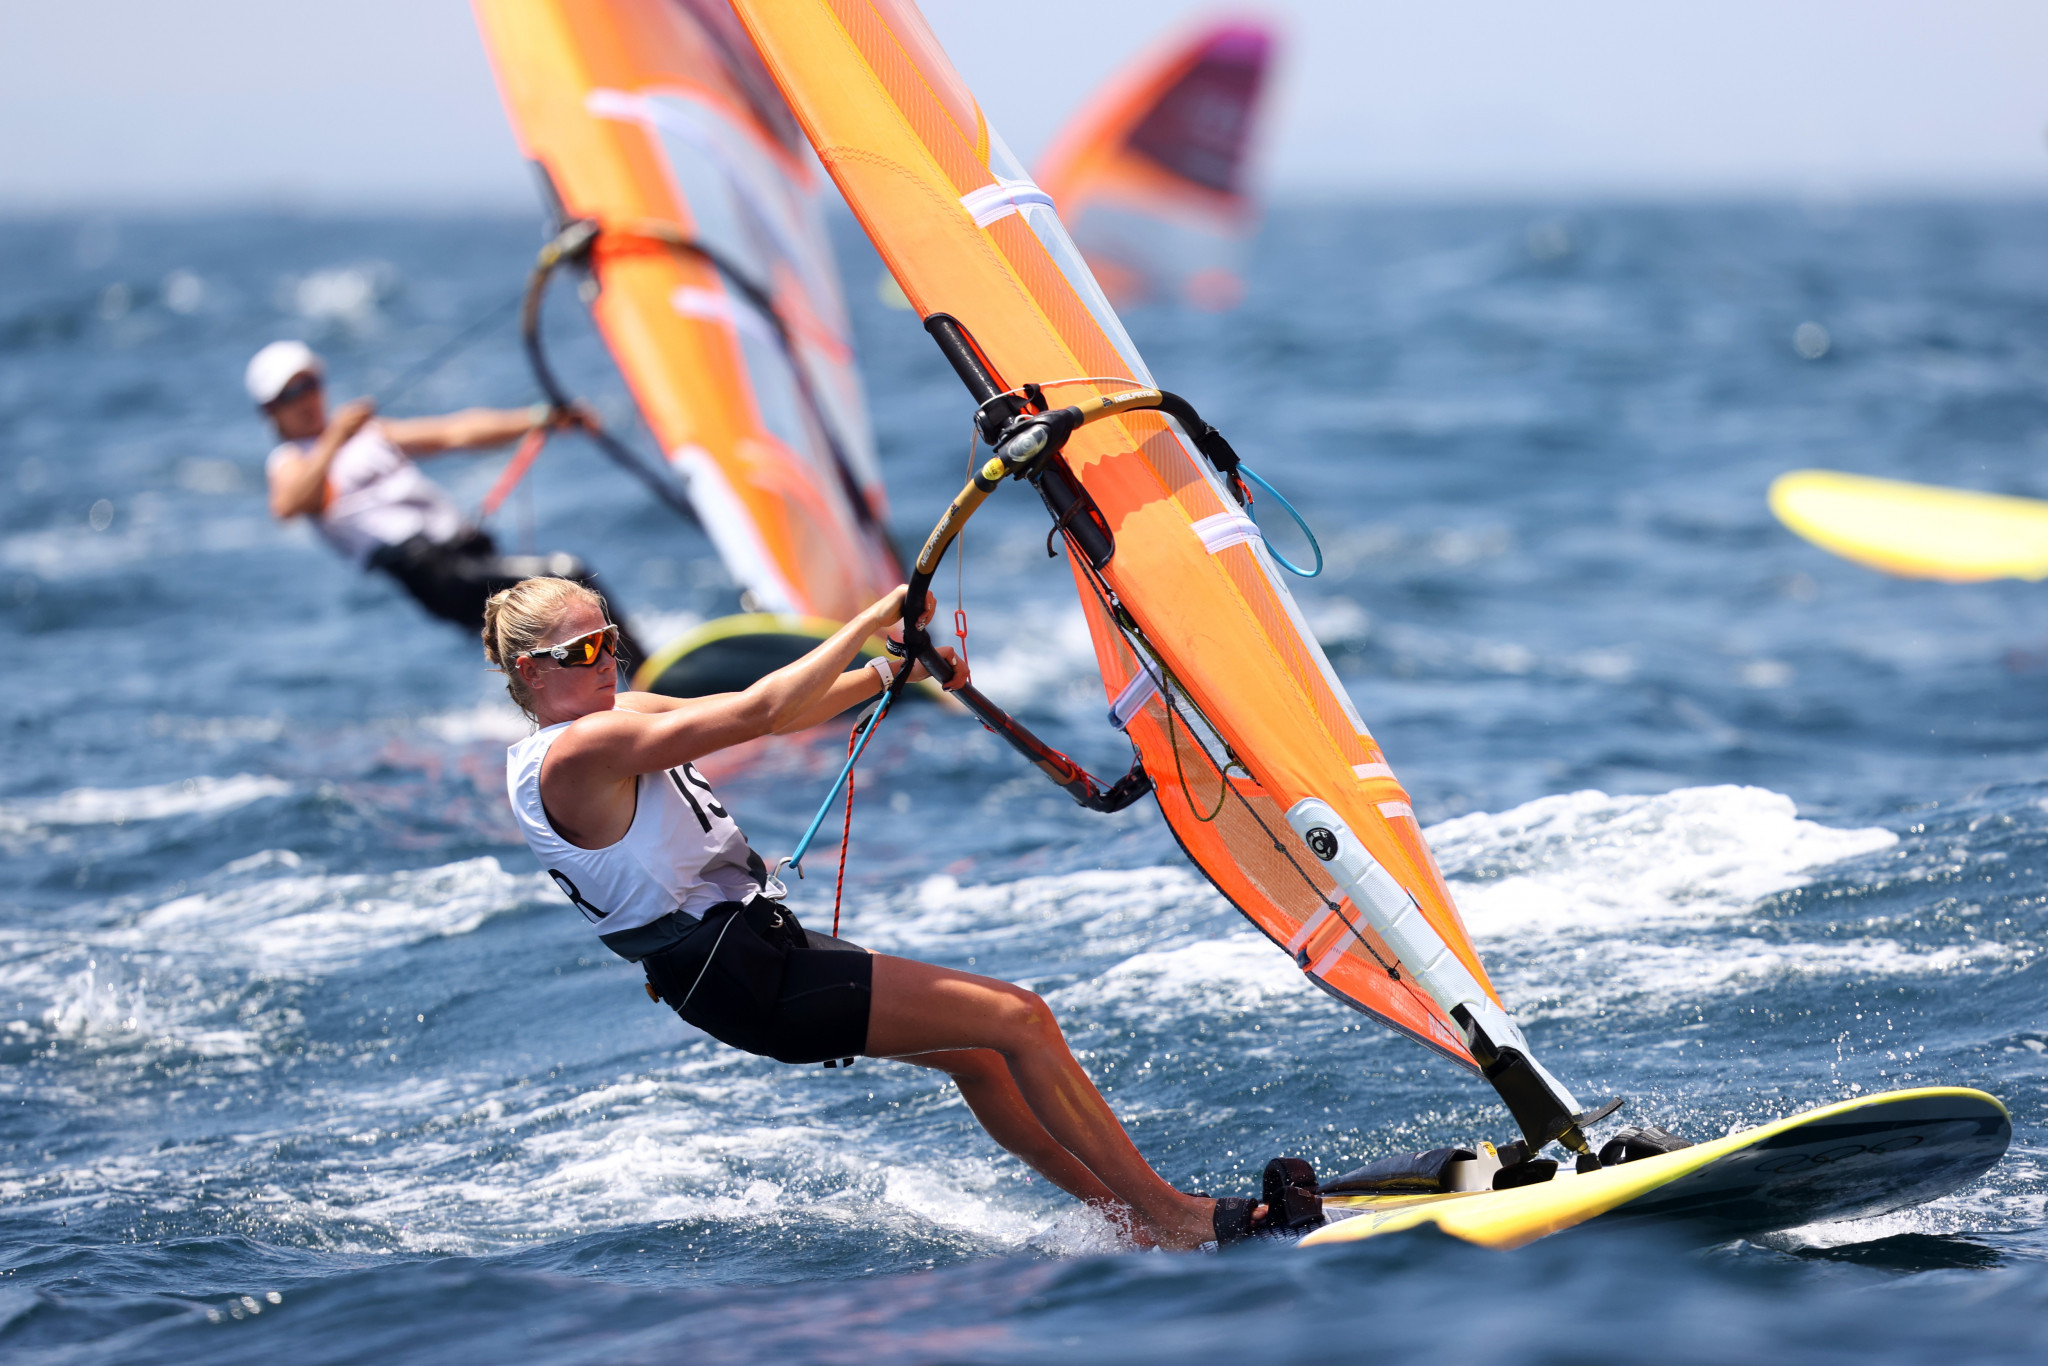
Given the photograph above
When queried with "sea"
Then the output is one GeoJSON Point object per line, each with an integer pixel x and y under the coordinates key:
{"type": "Point", "coordinates": [302, 1058]}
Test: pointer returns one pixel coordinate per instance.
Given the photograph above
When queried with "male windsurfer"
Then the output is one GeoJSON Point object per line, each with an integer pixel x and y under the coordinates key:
{"type": "Point", "coordinates": [354, 475]}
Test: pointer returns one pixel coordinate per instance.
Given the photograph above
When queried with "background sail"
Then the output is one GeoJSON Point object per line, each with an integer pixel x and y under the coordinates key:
{"type": "Point", "coordinates": [1150, 176]}
{"type": "Point", "coordinates": [967, 233]}
{"type": "Point", "coordinates": [658, 112]}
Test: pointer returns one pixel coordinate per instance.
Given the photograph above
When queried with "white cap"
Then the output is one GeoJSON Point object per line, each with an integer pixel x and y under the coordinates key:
{"type": "Point", "coordinates": [273, 367]}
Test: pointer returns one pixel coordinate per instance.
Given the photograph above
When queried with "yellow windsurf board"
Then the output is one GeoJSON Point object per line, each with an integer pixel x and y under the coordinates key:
{"type": "Point", "coordinates": [1851, 1160]}
{"type": "Point", "coordinates": [1916, 531]}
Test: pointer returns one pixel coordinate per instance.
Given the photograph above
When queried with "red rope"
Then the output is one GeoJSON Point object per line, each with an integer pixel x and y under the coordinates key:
{"type": "Point", "coordinates": [845, 836]}
{"type": "Point", "coordinates": [515, 470]}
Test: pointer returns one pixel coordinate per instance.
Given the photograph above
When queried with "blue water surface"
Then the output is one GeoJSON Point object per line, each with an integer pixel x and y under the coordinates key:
{"type": "Point", "coordinates": [301, 1058]}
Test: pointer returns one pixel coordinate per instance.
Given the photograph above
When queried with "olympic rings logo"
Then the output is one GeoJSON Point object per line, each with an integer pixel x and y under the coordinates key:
{"type": "Point", "coordinates": [1828, 1157]}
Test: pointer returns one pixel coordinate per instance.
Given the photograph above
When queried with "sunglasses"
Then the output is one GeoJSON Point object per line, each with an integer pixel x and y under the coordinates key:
{"type": "Point", "coordinates": [583, 651]}
{"type": "Point", "coordinates": [296, 390]}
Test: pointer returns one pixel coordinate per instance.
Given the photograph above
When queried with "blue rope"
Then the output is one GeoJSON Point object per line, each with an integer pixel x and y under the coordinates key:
{"type": "Point", "coordinates": [1285, 563]}
{"type": "Point", "coordinates": [803, 846]}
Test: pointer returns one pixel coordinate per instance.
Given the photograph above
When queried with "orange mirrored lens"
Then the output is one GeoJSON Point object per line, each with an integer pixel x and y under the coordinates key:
{"type": "Point", "coordinates": [586, 649]}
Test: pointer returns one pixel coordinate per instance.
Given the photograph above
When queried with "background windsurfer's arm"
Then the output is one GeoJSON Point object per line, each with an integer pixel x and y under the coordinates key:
{"type": "Point", "coordinates": [479, 428]}
{"type": "Point", "coordinates": [298, 486]}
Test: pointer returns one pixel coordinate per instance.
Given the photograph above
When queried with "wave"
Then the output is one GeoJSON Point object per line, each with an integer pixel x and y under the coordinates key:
{"type": "Point", "coordinates": [202, 796]}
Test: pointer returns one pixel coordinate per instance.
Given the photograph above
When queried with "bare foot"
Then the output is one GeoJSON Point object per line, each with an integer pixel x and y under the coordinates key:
{"type": "Point", "coordinates": [1193, 1225]}
{"type": "Point", "coordinates": [1125, 1221]}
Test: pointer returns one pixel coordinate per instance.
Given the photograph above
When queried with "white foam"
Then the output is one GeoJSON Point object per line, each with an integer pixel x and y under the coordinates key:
{"type": "Point", "coordinates": [1104, 910]}
{"type": "Point", "coordinates": [312, 922]}
{"type": "Point", "coordinates": [106, 1006]}
{"type": "Point", "coordinates": [1044, 655]}
{"type": "Point", "coordinates": [201, 796]}
{"type": "Point", "coordinates": [491, 720]}
{"type": "Point", "coordinates": [657, 630]}
{"type": "Point", "coordinates": [1988, 1204]}
{"type": "Point", "coordinates": [1584, 901]}
{"type": "Point", "coordinates": [1589, 978]}
{"type": "Point", "coordinates": [687, 1143]}
{"type": "Point", "coordinates": [1586, 860]}
{"type": "Point", "coordinates": [1236, 975]}
{"type": "Point", "coordinates": [130, 975]}
{"type": "Point", "coordinates": [473, 1163]}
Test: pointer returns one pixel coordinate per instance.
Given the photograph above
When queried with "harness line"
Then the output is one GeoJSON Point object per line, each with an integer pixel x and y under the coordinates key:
{"type": "Point", "coordinates": [853, 753]}
{"type": "Point", "coordinates": [845, 837]}
{"type": "Point", "coordinates": [515, 470]}
{"type": "Point", "coordinates": [411, 377]}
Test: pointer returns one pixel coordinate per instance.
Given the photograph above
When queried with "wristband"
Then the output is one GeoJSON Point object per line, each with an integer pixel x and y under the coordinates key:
{"type": "Point", "coordinates": [884, 670]}
{"type": "Point", "coordinates": [538, 414]}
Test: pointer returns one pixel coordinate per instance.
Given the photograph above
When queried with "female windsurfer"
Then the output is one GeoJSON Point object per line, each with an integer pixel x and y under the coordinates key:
{"type": "Point", "coordinates": [610, 803]}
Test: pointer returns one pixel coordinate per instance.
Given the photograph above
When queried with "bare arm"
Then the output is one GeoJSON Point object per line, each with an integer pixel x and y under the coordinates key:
{"type": "Point", "coordinates": [847, 691]}
{"type": "Point", "coordinates": [605, 748]}
{"type": "Point", "coordinates": [471, 429]}
{"type": "Point", "coordinates": [480, 428]}
{"type": "Point", "coordinates": [298, 486]}
{"type": "Point", "coordinates": [852, 689]}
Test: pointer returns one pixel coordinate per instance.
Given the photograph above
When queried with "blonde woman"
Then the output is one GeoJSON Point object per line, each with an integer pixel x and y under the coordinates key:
{"type": "Point", "coordinates": [610, 802]}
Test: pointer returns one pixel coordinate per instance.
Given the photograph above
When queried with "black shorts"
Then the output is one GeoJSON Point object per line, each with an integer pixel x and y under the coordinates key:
{"type": "Point", "coordinates": [750, 976]}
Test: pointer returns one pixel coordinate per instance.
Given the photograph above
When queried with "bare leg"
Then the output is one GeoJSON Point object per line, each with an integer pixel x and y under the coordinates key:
{"type": "Point", "coordinates": [918, 1009]}
{"type": "Point", "coordinates": [991, 1093]}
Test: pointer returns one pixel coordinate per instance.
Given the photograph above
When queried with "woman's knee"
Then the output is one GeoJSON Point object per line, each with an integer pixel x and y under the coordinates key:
{"type": "Point", "coordinates": [1024, 1018]}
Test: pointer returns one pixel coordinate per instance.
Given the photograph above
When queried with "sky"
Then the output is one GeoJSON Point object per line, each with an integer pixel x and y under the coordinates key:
{"type": "Point", "coordinates": [389, 104]}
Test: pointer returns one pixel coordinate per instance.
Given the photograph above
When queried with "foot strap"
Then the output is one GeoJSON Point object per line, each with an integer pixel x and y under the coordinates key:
{"type": "Point", "coordinates": [1288, 1192]}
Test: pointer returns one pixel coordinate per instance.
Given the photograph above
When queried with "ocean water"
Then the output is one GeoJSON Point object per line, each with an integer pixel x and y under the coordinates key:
{"type": "Point", "coordinates": [300, 1057]}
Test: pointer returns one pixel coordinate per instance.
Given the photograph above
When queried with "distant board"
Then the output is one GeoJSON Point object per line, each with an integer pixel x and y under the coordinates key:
{"type": "Point", "coordinates": [1916, 531]}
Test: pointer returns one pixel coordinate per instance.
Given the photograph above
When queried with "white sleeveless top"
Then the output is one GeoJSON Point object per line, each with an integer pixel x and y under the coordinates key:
{"type": "Point", "coordinates": [683, 851]}
{"type": "Point", "coordinates": [376, 496]}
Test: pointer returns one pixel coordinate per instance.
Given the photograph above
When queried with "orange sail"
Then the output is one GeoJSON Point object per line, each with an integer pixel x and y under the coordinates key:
{"type": "Point", "coordinates": [1151, 175]}
{"type": "Point", "coordinates": [717, 293]}
{"type": "Point", "coordinates": [1263, 769]}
